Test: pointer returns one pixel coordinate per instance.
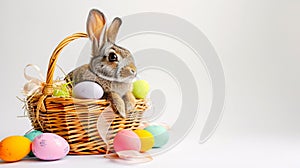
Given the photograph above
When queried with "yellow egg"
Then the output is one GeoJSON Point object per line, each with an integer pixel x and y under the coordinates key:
{"type": "Point", "coordinates": [14, 148]}
{"type": "Point", "coordinates": [147, 139]}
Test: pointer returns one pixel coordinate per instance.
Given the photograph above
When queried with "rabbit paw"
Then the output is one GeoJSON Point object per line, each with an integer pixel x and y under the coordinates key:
{"type": "Point", "coordinates": [129, 101]}
{"type": "Point", "coordinates": [118, 103]}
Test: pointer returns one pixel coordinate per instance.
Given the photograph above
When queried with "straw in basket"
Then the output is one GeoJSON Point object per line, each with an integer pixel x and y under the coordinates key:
{"type": "Point", "coordinates": [76, 119]}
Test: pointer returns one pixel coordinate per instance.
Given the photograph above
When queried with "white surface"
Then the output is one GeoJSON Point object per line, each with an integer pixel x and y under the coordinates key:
{"type": "Point", "coordinates": [257, 42]}
{"type": "Point", "coordinates": [244, 151]}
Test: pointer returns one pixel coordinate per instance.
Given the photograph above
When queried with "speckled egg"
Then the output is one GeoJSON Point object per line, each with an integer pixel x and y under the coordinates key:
{"type": "Point", "coordinates": [31, 135]}
{"type": "Point", "coordinates": [14, 148]}
{"type": "Point", "coordinates": [49, 146]}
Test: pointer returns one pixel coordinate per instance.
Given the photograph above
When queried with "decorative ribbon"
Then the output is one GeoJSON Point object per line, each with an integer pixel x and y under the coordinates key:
{"type": "Point", "coordinates": [145, 124]}
{"type": "Point", "coordinates": [33, 84]}
{"type": "Point", "coordinates": [36, 86]}
{"type": "Point", "coordinates": [104, 122]}
{"type": "Point", "coordinates": [129, 157]}
{"type": "Point", "coordinates": [33, 87]}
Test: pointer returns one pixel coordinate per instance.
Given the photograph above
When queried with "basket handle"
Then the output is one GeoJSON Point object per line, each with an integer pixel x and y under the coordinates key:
{"type": "Point", "coordinates": [48, 89]}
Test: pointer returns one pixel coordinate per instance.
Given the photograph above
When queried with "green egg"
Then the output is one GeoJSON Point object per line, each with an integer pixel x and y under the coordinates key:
{"type": "Point", "coordinates": [31, 135]}
{"type": "Point", "coordinates": [160, 133]}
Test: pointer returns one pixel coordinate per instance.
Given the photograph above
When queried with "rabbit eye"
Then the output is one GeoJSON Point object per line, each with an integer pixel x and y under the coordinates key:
{"type": "Point", "coordinates": [112, 57]}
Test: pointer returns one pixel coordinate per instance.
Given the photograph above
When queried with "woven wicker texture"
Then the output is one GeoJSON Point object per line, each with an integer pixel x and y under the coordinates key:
{"type": "Point", "coordinates": [76, 119]}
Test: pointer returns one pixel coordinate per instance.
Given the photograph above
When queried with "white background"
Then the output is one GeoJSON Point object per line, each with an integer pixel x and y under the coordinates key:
{"type": "Point", "coordinates": [257, 42]}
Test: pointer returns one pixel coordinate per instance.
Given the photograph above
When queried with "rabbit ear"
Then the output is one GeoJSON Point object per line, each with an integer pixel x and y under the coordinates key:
{"type": "Point", "coordinates": [95, 26]}
{"type": "Point", "coordinates": [113, 30]}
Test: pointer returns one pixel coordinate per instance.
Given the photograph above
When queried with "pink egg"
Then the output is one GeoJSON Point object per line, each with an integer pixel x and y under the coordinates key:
{"type": "Point", "coordinates": [49, 146]}
{"type": "Point", "coordinates": [127, 140]}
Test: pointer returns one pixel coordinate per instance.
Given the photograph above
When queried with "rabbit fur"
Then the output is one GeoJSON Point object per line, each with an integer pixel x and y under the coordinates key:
{"type": "Point", "coordinates": [111, 66]}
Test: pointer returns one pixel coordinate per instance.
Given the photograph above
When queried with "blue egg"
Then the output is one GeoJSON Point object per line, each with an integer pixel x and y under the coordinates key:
{"type": "Point", "coordinates": [31, 135]}
{"type": "Point", "coordinates": [160, 133]}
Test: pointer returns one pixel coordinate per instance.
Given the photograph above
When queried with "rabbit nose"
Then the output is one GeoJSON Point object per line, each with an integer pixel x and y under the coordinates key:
{"type": "Point", "coordinates": [133, 71]}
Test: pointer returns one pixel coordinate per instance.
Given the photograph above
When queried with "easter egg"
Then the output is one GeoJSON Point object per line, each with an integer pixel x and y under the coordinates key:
{"type": "Point", "coordinates": [49, 146]}
{"type": "Point", "coordinates": [126, 140]}
{"type": "Point", "coordinates": [147, 139]}
{"type": "Point", "coordinates": [88, 90]}
{"type": "Point", "coordinates": [31, 135]}
{"type": "Point", "coordinates": [160, 133]}
{"type": "Point", "coordinates": [14, 148]}
{"type": "Point", "coordinates": [140, 89]}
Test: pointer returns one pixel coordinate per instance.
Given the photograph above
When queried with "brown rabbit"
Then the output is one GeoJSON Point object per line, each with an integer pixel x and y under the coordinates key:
{"type": "Point", "coordinates": [111, 66]}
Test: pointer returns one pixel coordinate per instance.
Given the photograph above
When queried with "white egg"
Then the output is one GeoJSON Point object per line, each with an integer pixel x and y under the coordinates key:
{"type": "Point", "coordinates": [88, 90]}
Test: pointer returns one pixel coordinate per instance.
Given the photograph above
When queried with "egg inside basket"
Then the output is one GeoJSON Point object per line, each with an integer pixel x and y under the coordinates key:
{"type": "Point", "coordinates": [77, 120]}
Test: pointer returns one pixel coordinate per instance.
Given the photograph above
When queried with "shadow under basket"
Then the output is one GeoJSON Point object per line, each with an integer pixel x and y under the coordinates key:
{"type": "Point", "coordinates": [76, 119]}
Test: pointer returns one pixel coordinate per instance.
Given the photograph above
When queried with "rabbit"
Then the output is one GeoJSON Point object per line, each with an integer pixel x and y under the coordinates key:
{"type": "Point", "coordinates": [111, 66]}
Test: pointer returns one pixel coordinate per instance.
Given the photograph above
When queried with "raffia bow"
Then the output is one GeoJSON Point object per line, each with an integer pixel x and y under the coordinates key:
{"type": "Point", "coordinates": [35, 86]}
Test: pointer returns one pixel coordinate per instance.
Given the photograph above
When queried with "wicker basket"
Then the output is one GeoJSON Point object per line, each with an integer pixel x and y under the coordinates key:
{"type": "Point", "coordinates": [76, 119]}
